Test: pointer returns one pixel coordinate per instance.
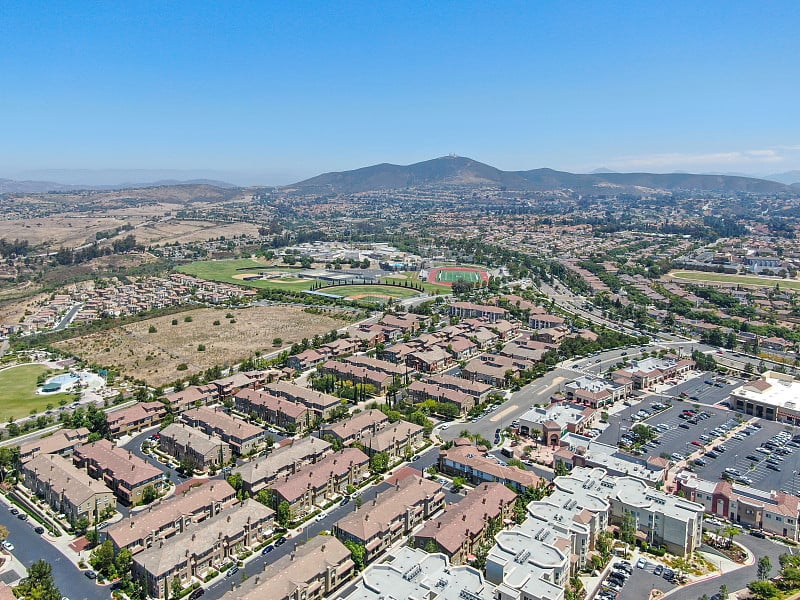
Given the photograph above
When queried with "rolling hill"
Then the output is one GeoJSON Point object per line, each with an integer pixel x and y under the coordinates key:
{"type": "Point", "coordinates": [460, 171]}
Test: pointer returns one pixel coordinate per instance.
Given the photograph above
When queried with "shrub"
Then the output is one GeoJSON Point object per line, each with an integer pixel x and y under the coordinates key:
{"type": "Point", "coordinates": [152, 329]}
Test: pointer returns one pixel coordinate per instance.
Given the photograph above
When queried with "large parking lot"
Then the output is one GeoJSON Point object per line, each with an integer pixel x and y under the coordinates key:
{"type": "Point", "coordinates": [739, 454]}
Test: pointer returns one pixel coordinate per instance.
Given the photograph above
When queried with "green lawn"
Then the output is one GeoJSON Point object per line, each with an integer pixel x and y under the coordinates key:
{"type": "Point", "coordinates": [18, 392]}
{"type": "Point", "coordinates": [224, 270]}
{"type": "Point", "coordinates": [371, 290]}
{"type": "Point", "coordinates": [453, 276]}
{"type": "Point", "coordinates": [749, 280]}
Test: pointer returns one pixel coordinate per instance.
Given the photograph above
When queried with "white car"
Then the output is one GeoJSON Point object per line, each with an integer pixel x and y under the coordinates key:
{"type": "Point", "coordinates": [445, 426]}
{"type": "Point", "coordinates": [713, 521]}
{"type": "Point", "coordinates": [8, 546]}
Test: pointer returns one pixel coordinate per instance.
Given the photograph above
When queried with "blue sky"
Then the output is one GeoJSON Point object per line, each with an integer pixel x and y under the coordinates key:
{"type": "Point", "coordinates": [271, 92]}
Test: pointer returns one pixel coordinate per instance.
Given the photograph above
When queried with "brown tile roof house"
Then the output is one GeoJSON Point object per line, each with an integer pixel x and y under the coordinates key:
{"type": "Point", "coordinates": [242, 436]}
{"type": "Point", "coordinates": [135, 418]}
{"type": "Point", "coordinates": [284, 413]}
{"type": "Point", "coordinates": [468, 461]}
{"type": "Point", "coordinates": [61, 442]}
{"type": "Point", "coordinates": [421, 391]}
{"type": "Point", "coordinates": [261, 472]}
{"type": "Point", "coordinates": [429, 361]}
{"type": "Point", "coordinates": [391, 515]}
{"type": "Point", "coordinates": [353, 429]}
{"type": "Point", "coordinates": [397, 439]}
{"type": "Point", "coordinates": [313, 571]}
{"type": "Point", "coordinates": [189, 443]}
{"type": "Point", "coordinates": [492, 372]}
{"type": "Point", "coordinates": [202, 546]}
{"type": "Point", "coordinates": [474, 388]}
{"type": "Point", "coordinates": [349, 372]}
{"type": "Point", "coordinates": [469, 310]}
{"type": "Point", "coordinates": [461, 529]}
{"type": "Point", "coordinates": [192, 396]}
{"type": "Point", "coordinates": [170, 516]}
{"type": "Point", "coordinates": [321, 404]}
{"type": "Point", "coordinates": [123, 472]}
{"type": "Point", "coordinates": [408, 323]}
{"type": "Point", "coordinates": [376, 364]}
{"type": "Point", "coordinates": [306, 359]}
{"type": "Point", "coordinates": [227, 386]}
{"type": "Point", "coordinates": [318, 483]}
{"type": "Point", "coordinates": [66, 488]}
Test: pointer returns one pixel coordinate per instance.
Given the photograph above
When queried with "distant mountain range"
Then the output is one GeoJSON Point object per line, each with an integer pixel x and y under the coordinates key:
{"type": "Point", "coordinates": [40, 187]}
{"type": "Point", "coordinates": [460, 171]}
{"type": "Point", "coordinates": [789, 177]}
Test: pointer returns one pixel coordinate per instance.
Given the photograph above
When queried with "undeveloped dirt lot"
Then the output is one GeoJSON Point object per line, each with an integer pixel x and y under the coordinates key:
{"type": "Point", "coordinates": [154, 357]}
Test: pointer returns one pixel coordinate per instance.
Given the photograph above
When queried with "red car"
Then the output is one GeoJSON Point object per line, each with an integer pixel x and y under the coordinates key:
{"type": "Point", "coordinates": [697, 443]}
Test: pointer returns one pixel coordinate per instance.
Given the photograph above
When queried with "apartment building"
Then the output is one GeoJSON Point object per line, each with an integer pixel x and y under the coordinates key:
{"type": "Point", "coordinates": [202, 546]}
{"type": "Point", "coordinates": [466, 460]}
{"type": "Point", "coordinates": [66, 488]}
{"type": "Point", "coordinates": [392, 514]}
{"type": "Point", "coordinates": [469, 310]}
{"type": "Point", "coordinates": [413, 573]}
{"type": "Point", "coordinates": [135, 418]}
{"type": "Point", "coordinates": [62, 442]}
{"type": "Point", "coordinates": [399, 440]}
{"type": "Point", "coordinates": [356, 427]}
{"type": "Point", "coordinates": [126, 474]}
{"type": "Point", "coordinates": [357, 374]}
{"type": "Point", "coordinates": [242, 436]}
{"type": "Point", "coordinates": [420, 391]}
{"type": "Point", "coordinates": [311, 572]}
{"type": "Point", "coordinates": [286, 414]}
{"type": "Point", "coordinates": [192, 397]}
{"type": "Point", "coordinates": [476, 389]}
{"type": "Point", "coordinates": [284, 462]}
{"type": "Point", "coordinates": [460, 530]}
{"type": "Point", "coordinates": [596, 392]}
{"type": "Point", "coordinates": [170, 516]}
{"type": "Point", "coordinates": [319, 404]}
{"type": "Point", "coordinates": [314, 485]}
{"type": "Point", "coordinates": [187, 443]}
{"type": "Point", "coordinates": [649, 371]}
{"type": "Point", "coordinates": [662, 519]}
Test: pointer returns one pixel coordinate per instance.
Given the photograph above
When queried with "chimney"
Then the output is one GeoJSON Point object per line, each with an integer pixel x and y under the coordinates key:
{"type": "Point", "coordinates": [131, 523]}
{"type": "Point", "coordinates": [323, 548]}
{"type": "Point", "coordinates": [366, 517]}
{"type": "Point", "coordinates": [438, 525]}
{"type": "Point", "coordinates": [464, 517]}
{"type": "Point", "coordinates": [483, 501]}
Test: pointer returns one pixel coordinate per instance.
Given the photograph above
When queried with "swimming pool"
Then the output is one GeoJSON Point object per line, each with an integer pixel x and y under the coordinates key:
{"type": "Point", "coordinates": [64, 379]}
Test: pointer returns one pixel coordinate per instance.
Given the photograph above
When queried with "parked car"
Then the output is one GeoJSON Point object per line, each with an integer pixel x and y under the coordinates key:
{"type": "Point", "coordinates": [641, 563]}
{"type": "Point", "coordinates": [758, 533]}
{"type": "Point", "coordinates": [232, 571]}
{"type": "Point", "coordinates": [8, 546]}
{"type": "Point", "coordinates": [90, 574]}
{"type": "Point", "coordinates": [658, 570]}
{"type": "Point", "coordinates": [197, 593]}
{"type": "Point", "coordinates": [267, 549]}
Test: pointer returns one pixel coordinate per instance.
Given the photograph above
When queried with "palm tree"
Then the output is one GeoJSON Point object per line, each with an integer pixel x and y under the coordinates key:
{"type": "Point", "coordinates": [729, 531]}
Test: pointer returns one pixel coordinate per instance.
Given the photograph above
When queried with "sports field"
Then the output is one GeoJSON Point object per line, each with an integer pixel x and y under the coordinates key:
{"type": "Point", "coordinates": [746, 280]}
{"type": "Point", "coordinates": [449, 275]}
{"type": "Point", "coordinates": [232, 271]}
{"type": "Point", "coordinates": [18, 392]}
{"type": "Point", "coordinates": [370, 292]}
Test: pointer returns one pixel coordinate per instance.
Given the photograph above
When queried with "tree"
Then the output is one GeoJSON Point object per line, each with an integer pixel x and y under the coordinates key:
{"type": "Point", "coordinates": [149, 494]}
{"type": "Point", "coordinates": [458, 483]}
{"type": "Point", "coordinates": [92, 536]}
{"type": "Point", "coordinates": [102, 559]}
{"type": "Point", "coordinates": [515, 462]}
{"type": "Point", "coordinates": [431, 547]}
{"type": "Point", "coordinates": [379, 462]}
{"type": "Point", "coordinates": [763, 590]}
{"type": "Point", "coordinates": [187, 466]}
{"type": "Point", "coordinates": [358, 553]}
{"type": "Point", "coordinates": [359, 501]}
{"type": "Point", "coordinates": [284, 514]}
{"type": "Point", "coordinates": [627, 532]}
{"type": "Point", "coordinates": [3, 533]}
{"type": "Point", "coordinates": [723, 592]}
{"type": "Point", "coordinates": [39, 583]}
{"type": "Point", "coordinates": [764, 568]}
{"type": "Point", "coordinates": [264, 497]}
{"type": "Point", "coordinates": [176, 586]}
{"type": "Point", "coordinates": [124, 561]}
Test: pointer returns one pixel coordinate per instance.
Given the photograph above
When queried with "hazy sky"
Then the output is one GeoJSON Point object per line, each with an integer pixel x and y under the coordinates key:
{"type": "Point", "coordinates": [271, 92]}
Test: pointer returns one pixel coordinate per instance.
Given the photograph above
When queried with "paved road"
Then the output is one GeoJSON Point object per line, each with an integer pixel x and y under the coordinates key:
{"type": "Point", "coordinates": [67, 319]}
{"type": "Point", "coordinates": [30, 547]}
{"type": "Point", "coordinates": [738, 579]}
